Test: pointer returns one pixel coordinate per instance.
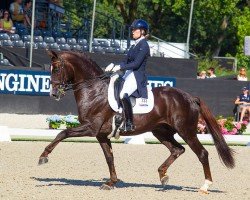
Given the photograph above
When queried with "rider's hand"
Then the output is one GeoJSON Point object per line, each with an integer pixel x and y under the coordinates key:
{"type": "Point", "coordinates": [116, 68]}
{"type": "Point", "coordinates": [109, 67]}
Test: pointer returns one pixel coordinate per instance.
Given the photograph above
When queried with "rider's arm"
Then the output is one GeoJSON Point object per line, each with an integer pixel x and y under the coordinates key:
{"type": "Point", "coordinates": [238, 102]}
{"type": "Point", "coordinates": [143, 53]}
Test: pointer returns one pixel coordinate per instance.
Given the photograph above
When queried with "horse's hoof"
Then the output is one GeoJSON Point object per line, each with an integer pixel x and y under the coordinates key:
{"type": "Point", "coordinates": [164, 180]}
{"type": "Point", "coordinates": [203, 191]}
{"type": "Point", "coordinates": [106, 187]}
{"type": "Point", "coordinates": [43, 160]}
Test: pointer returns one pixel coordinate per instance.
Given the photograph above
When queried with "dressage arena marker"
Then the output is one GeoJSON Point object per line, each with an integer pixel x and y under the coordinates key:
{"type": "Point", "coordinates": [140, 139]}
{"type": "Point", "coordinates": [4, 134]}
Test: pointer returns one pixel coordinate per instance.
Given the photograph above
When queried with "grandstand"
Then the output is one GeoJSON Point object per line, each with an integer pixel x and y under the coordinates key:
{"type": "Point", "coordinates": [54, 31]}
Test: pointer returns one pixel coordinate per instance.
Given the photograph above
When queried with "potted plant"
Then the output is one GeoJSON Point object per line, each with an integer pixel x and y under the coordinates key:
{"type": "Point", "coordinates": [55, 121]}
{"type": "Point", "coordinates": [230, 127]}
{"type": "Point", "coordinates": [71, 121]}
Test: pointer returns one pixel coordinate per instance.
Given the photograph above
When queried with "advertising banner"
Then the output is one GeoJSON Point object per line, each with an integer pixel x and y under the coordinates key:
{"type": "Point", "coordinates": [26, 82]}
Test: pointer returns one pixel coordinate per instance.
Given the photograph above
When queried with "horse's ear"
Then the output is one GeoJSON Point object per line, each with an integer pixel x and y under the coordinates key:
{"type": "Point", "coordinates": [52, 54]}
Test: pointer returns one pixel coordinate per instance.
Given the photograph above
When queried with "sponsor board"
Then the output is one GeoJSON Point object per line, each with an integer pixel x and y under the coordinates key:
{"type": "Point", "coordinates": [22, 82]}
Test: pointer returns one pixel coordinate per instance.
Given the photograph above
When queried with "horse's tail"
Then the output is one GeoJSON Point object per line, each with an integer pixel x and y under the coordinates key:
{"type": "Point", "coordinates": [225, 153]}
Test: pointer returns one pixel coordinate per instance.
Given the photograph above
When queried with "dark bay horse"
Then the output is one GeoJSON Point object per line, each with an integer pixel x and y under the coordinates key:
{"type": "Point", "coordinates": [174, 111]}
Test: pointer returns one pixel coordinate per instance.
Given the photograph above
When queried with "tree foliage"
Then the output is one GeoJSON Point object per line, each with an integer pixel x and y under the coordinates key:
{"type": "Point", "coordinates": [218, 26]}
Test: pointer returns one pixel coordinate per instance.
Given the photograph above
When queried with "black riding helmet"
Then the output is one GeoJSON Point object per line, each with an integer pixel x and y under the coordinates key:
{"type": "Point", "coordinates": [140, 24]}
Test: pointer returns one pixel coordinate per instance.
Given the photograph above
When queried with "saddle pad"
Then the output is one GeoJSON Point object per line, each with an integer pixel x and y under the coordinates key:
{"type": "Point", "coordinates": [142, 105]}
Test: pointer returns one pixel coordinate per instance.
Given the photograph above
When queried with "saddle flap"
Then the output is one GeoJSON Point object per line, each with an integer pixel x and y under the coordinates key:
{"type": "Point", "coordinates": [140, 105]}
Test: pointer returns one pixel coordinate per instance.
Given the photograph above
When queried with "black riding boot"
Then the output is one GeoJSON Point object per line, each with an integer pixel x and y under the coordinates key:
{"type": "Point", "coordinates": [128, 115]}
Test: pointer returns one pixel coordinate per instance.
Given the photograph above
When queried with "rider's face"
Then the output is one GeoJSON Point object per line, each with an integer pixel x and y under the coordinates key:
{"type": "Point", "coordinates": [136, 33]}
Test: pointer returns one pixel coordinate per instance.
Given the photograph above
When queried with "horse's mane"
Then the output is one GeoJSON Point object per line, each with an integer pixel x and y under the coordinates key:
{"type": "Point", "coordinates": [89, 65]}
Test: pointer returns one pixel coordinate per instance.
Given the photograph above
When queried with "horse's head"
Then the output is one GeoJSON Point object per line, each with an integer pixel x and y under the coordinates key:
{"type": "Point", "coordinates": [70, 68]}
{"type": "Point", "coordinates": [60, 75]}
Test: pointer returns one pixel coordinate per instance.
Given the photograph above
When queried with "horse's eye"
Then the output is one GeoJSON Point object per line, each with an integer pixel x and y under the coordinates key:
{"type": "Point", "coordinates": [55, 69]}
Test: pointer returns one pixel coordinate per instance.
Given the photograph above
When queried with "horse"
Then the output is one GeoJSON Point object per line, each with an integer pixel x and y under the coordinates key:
{"type": "Point", "coordinates": [174, 111]}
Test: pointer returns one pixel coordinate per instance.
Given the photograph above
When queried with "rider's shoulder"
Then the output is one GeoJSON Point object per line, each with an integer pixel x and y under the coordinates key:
{"type": "Point", "coordinates": [144, 43]}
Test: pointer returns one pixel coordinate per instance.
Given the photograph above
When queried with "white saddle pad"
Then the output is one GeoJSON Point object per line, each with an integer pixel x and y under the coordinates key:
{"type": "Point", "coordinates": [142, 105]}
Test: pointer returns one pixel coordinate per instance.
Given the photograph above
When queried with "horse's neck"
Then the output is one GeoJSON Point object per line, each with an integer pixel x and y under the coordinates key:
{"type": "Point", "coordinates": [91, 95]}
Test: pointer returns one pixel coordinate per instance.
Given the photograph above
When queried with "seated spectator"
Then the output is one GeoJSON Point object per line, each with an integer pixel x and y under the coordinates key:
{"type": "Point", "coordinates": [242, 76]}
{"type": "Point", "coordinates": [27, 13]}
{"type": "Point", "coordinates": [16, 11]}
{"type": "Point", "coordinates": [202, 75]}
{"type": "Point", "coordinates": [243, 101]}
{"type": "Point", "coordinates": [211, 73]}
{"type": "Point", "coordinates": [6, 24]}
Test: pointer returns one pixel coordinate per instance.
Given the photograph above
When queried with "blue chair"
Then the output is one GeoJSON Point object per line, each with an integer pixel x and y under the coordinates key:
{"type": "Point", "coordinates": [4, 62]}
{"type": "Point", "coordinates": [71, 41]}
{"type": "Point", "coordinates": [109, 50]}
{"type": "Point", "coordinates": [14, 37]}
{"type": "Point", "coordinates": [22, 32]}
{"type": "Point", "coordinates": [76, 47]}
{"type": "Point", "coordinates": [18, 44]}
{"type": "Point", "coordinates": [54, 46]}
{"type": "Point", "coordinates": [64, 47]}
{"type": "Point", "coordinates": [56, 34]}
{"type": "Point", "coordinates": [85, 48]}
{"type": "Point", "coordinates": [82, 42]}
{"type": "Point", "coordinates": [49, 40]}
{"type": "Point", "coordinates": [98, 49]}
{"type": "Point", "coordinates": [37, 32]}
{"type": "Point", "coordinates": [114, 44]}
{"type": "Point", "coordinates": [67, 35]}
{"type": "Point", "coordinates": [4, 36]}
{"type": "Point", "coordinates": [104, 43]}
{"type": "Point", "coordinates": [38, 39]}
{"type": "Point", "coordinates": [46, 33]}
{"type": "Point", "coordinates": [27, 45]}
{"type": "Point", "coordinates": [61, 40]}
{"type": "Point", "coordinates": [42, 45]}
{"type": "Point", "coordinates": [7, 43]}
{"type": "Point", "coordinates": [26, 38]}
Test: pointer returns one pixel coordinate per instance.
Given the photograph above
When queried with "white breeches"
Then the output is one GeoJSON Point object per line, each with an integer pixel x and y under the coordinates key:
{"type": "Point", "coordinates": [130, 85]}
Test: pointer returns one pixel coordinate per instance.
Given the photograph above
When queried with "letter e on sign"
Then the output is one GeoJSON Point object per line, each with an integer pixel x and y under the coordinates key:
{"type": "Point", "coordinates": [247, 46]}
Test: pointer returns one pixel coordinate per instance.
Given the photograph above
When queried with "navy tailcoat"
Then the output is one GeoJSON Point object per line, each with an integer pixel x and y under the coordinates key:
{"type": "Point", "coordinates": [136, 61]}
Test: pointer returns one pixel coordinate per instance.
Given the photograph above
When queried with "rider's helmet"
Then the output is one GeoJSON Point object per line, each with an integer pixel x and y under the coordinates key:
{"type": "Point", "coordinates": [140, 24]}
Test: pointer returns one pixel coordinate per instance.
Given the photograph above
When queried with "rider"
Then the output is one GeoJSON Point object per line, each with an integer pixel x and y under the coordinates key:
{"type": "Point", "coordinates": [135, 80]}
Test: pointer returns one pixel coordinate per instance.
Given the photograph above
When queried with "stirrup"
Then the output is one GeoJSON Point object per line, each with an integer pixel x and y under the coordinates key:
{"type": "Point", "coordinates": [127, 127]}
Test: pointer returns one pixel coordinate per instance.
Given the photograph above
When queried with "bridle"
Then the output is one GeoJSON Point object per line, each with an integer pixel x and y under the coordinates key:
{"type": "Point", "coordinates": [62, 83]}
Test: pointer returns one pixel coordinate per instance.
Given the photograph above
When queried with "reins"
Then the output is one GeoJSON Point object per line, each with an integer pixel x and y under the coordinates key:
{"type": "Point", "coordinates": [63, 87]}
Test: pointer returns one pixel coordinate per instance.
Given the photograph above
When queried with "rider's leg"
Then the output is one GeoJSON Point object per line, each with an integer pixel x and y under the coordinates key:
{"type": "Point", "coordinates": [129, 88]}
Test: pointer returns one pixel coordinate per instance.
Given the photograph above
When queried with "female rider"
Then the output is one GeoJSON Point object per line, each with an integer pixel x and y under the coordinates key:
{"type": "Point", "coordinates": [135, 80]}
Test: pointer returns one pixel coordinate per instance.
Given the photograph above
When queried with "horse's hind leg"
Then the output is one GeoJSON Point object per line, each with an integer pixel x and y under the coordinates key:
{"type": "Point", "coordinates": [166, 137]}
{"type": "Point", "coordinates": [202, 154]}
{"type": "Point", "coordinates": [72, 132]}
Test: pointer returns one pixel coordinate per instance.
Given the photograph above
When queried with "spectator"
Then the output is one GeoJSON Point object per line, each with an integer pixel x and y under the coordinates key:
{"type": "Point", "coordinates": [16, 11]}
{"type": "Point", "coordinates": [6, 24]}
{"type": "Point", "coordinates": [242, 76]}
{"type": "Point", "coordinates": [211, 73]}
{"type": "Point", "coordinates": [243, 101]}
{"type": "Point", "coordinates": [202, 75]}
{"type": "Point", "coordinates": [27, 13]}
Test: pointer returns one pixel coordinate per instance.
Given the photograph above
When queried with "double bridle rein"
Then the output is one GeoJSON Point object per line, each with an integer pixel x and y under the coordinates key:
{"type": "Point", "coordinates": [62, 83]}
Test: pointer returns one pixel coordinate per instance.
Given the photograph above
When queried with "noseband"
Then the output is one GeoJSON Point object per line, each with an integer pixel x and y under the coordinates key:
{"type": "Point", "coordinates": [62, 82]}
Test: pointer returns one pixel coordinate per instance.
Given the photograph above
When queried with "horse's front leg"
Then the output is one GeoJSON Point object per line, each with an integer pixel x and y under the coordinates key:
{"type": "Point", "coordinates": [81, 131]}
{"type": "Point", "coordinates": [107, 150]}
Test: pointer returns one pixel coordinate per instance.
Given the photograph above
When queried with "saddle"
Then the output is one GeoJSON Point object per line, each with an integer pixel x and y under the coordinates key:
{"type": "Point", "coordinates": [140, 105]}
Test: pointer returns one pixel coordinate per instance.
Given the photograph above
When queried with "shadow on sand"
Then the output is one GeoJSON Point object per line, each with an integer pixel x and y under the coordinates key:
{"type": "Point", "coordinates": [97, 183]}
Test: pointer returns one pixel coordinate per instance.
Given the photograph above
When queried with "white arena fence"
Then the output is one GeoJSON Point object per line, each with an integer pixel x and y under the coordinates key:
{"type": "Point", "coordinates": [7, 133]}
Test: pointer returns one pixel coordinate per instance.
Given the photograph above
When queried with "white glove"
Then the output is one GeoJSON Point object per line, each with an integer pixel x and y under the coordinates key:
{"type": "Point", "coordinates": [109, 67]}
{"type": "Point", "coordinates": [116, 68]}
